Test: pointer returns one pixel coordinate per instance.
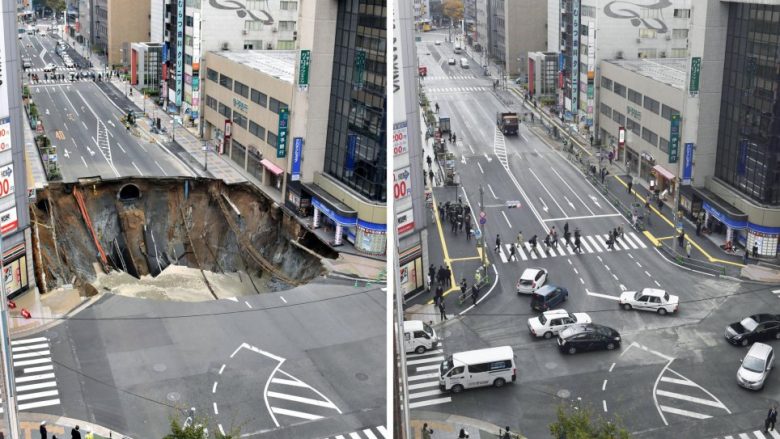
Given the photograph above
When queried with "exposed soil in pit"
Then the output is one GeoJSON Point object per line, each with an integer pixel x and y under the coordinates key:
{"type": "Point", "coordinates": [175, 239]}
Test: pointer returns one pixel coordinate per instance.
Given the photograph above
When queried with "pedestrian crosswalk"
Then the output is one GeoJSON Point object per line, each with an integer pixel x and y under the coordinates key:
{"type": "Point", "coordinates": [756, 434]}
{"type": "Point", "coordinates": [423, 378]}
{"type": "Point", "coordinates": [439, 90]}
{"type": "Point", "coordinates": [60, 69]}
{"type": "Point", "coordinates": [678, 396]}
{"type": "Point", "coordinates": [36, 385]}
{"type": "Point", "coordinates": [66, 80]}
{"type": "Point", "coordinates": [588, 244]}
{"type": "Point", "coordinates": [378, 432]}
{"type": "Point", "coordinates": [448, 77]}
{"type": "Point", "coordinates": [776, 293]}
{"type": "Point", "coordinates": [291, 400]}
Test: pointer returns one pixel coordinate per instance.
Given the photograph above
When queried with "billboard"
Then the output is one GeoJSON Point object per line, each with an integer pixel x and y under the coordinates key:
{"type": "Point", "coordinates": [8, 221]}
{"type": "Point", "coordinates": [402, 183]}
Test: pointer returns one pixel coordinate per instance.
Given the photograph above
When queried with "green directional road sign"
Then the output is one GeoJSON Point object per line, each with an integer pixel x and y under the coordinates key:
{"type": "Point", "coordinates": [695, 72]}
{"type": "Point", "coordinates": [303, 70]}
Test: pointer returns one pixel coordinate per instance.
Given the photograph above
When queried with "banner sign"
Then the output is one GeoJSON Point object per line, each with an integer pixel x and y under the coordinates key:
{"type": "Point", "coordinates": [405, 222]}
{"type": "Point", "coordinates": [281, 138]}
{"type": "Point", "coordinates": [179, 50]}
{"type": "Point", "coordinates": [349, 163]}
{"type": "Point", "coordinates": [195, 44]}
{"type": "Point", "coordinates": [695, 73]}
{"type": "Point", "coordinates": [296, 158]}
{"type": "Point", "coordinates": [402, 183]}
{"type": "Point", "coordinates": [6, 180]}
{"type": "Point", "coordinates": [674, 139]}
{"type": "Point", "coordinates": [303, 69]}
{"type": "Point", "coordinates": [687, 164]}
{"type": "Point", "coordinates": [575, 56]}
{"type": "Point", "coordinates": [8, 221]}
{"type": "Point", "coordinates": [5, 134]}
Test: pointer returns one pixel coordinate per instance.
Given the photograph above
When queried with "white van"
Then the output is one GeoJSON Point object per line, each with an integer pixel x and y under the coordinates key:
{"type": "Point", "coordinates": [457, 48]}
{"type": "Point", "coordinates": [464, 63]}
{"type": "Point", "coordinates": [483, 367]}
{"type": "Point", "coordinates": [419, 337]}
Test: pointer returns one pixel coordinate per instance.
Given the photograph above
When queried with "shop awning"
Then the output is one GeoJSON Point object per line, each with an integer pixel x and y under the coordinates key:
{"type": "Point", "coordinates": [332, 207]}
{"type": "Point", "coordinates": [660, 170]}
{"type": "Point", "coordinates": [721, 209]}
{"type": "Point", "coordinates": [271, 167]}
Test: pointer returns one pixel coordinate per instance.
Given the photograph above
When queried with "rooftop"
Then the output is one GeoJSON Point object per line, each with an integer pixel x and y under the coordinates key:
{"type": "Point", "coordinates": [277, 63]}
{"type": "Point", "coordinates": [670, 71]}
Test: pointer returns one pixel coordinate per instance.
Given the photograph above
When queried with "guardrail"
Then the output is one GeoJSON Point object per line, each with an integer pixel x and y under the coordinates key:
{"type": "Point", "coordinates": [671, 253]}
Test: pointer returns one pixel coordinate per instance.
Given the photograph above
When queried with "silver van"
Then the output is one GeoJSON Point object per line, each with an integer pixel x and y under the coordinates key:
{"type": "Point", "coordinates": [755, 366]}
{"type": "Point", "coordinates": [464, 63]}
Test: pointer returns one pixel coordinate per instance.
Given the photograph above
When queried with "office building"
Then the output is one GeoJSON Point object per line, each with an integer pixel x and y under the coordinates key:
{"type": "Point", "coordinates": [508, 29]}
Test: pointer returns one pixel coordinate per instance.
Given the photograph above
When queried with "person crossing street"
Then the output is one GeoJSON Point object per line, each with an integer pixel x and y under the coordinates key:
{"type": "Point", "coordinates": [512, 252]}
{"type": "Point", "coordinates": [498, 243]}
{"type": "Point", "coordinates": [474, 294]}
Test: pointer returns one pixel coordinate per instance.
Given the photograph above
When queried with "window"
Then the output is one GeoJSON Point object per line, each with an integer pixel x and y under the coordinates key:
{"type": "Point", "coordinates": [259, 98]}
{"type": "Point", "coordinates": [257, 130]}
{"type": "Point", "coordinates": [588, 11]}
{"type": "Point", "coordinates": [188, 60]}
{"type": "Point", "coordinates": [606, 83]}
{"type": "Point", "coordinates": [286, 25]}
{"type": "Point", "coordinates": [275, 105]}
{"type": "Point", "coordinates": [211, 103]}
{"type": "Point", "coordinates": [271, 139]}
{"type": "Point", "coordinates": [680, 34]}
{"type": "Point", "coordinates": [682, 13]}
{"type": "Point", "coordinates": [188, 21]}
{"type": "Point", "coordinates": [288, 6]}
{"type": "Point", "coordinates": [649, 136]}
{"type": "Point", "coordinates": [652, 105]}
{"type": "Point", "coordinates": [212, 75]}
{"type": "Point", "coordinates": [681, 52]}
{"type": "Point", "coordinates": [241, 89]}
{"type": "Point", "coordinates": [647, 53]}
{"type": "Point", "coordinates": [606, 110]}
{"type": "Point", "coordinates": [666, 112]}
{"type": "Point", "coordinates": [225, 110]}
{"type": "Point", "coordinates": [634, 96]}
{"type": "Point", "coordinates": [663, 144]}
{"type": "Point", "coordinates": [619, 118]}
{"type": "Point", "coordinates": [619, 89]}
{"type": "Point", "coordinates": [251, 25]}
{"type": "Point", "coordinates": [226, 81]}
{"type": "Point", "coordinates": [633, 126]}
{"type": "Point", "coordinates": [239, 119]}
{"type": "Point", "coordinates": [647, 33]}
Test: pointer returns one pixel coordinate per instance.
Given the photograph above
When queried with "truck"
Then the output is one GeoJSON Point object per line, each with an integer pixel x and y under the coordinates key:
{"type": "Point", "coordinates": [444, 124]}
{"type": "Point", "coordinates": [508, 122]}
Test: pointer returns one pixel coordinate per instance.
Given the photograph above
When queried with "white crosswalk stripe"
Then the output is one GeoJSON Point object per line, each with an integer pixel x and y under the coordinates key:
{"type": "Point", "coordinates": [678, 396]}
{"type": "Point", "coordinates": [60, 69]}
{"type": "Point", "coordinates": [756, 434]}
{"type": "Point", "coordinates": [589, 244]}
{"type": "Point", "coordinates": [776, 293]}
{"type": "Point", "coordinates": [33, 390]}
{"type": "Point", "coordinates": [294, 400]}
{"type": "Point", "coordinates": [437, 90]}
{"type": "Point", "coordinates": [423, 383]}
{"type": "Point", "coordinates": [442, 77]}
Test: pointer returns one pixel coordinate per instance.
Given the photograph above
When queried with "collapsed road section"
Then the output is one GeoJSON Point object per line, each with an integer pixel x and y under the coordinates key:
{"type": "Point", "coordinates": [89, 233]}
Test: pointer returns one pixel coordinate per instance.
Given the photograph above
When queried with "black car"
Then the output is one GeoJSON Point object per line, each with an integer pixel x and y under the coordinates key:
{"type": "Point", "coordinates": [754, 328]}
{"type": "Point", "coordinates": [587, 337]}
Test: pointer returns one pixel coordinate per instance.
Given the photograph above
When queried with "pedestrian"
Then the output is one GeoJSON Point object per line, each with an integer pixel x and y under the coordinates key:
{"type": "Point", "coordinates": [660, 204]}
{"type": "Point", "coordinates": [755, 251]}
{"type": "Point", "coordinates": [440, 275]}
{"type": "Point", "coordinates": [469, 231]}
{"type": "Point", "coordinates": [506, 434]}
{"type": "Point", "coordinates": [463, 433]}
{"type": "Point", "coordinates": [474, 294]}
{"type": "Point", "coordinates": [620, 231]}
{"type": "Point", "coordinates": [425, 178]}
{"type": "Point", "coordinates": [437, 107]}
{"type": "Point", "coordinates": [547, 243]}
{"type": "Point", "coordinates": [681, 238]}
{"type": "Point", "coordinates": [520, 240]}
{"type": "Point", "coordinates": [616, 233]}
{"type": "Point", "coordinates": [532, 241]}
{"type": "Point", "coordinates": [688, 248]}
{"type": "Point", "coordinates": [429, 161]}
{"type": "Point", "coordinates": [439, 295]}
{"type": "Point", "coordinates": [647, 216]}
{"type": "Point", "coordinates": [567, 237]}
{"type": "Point", "coordinates": [630, 183]}
{"type": "Point", "coordinates": [610, 241]}
{"type": "Point", "coordinates": [498, 243]}
{"type": "Point", "coordinates": [603, 174]}
{"type": "Point", "coordinates": [611, 157]}
{"type": "Point", "coordinates": [441, 211]}
{"type": "Point", "coordinates": [771, 418]}
{"type": "Point", "coordinates": [698, 228]}
{"type": "Point", "coordinates": [430, 178]}
{"type": "Point", "coordinates": [577, 244]}
{"type": "Point", "coordinates": [512, 252]}
{"type": "Point", "coordinates": [554, 237]}
{"type": "Point", "coordinates": [75, 433]}
{"type": "Point", "coordinates": [454, 138]}
{"type": "Point", "coordinates": [42, 429]}
{"type": "Point", "coordinates": [442, 313]}
{"type": "Point", "coordinates": [427, 432]}
{"type": "Point", "coordinates": [431, 273]}
{"type": "Point", "coordinates": [566, 228]}
{"type": "Point", "coordinates": [448, 276]}
{"type": "Point", "coordinates": [463, 287]}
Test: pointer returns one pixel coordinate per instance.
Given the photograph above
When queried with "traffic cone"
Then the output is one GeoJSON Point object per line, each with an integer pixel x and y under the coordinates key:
{"type": "Point", "coordinates": [11, 304]}
{"type": "Point", "coordinates": [25, 313]}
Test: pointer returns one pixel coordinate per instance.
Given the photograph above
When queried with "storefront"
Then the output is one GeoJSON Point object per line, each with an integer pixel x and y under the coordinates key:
{"type": "Point", "coordinates": [632, 161]}
{"type": "Point", "coordinates": [646, 165]}
{"type": "Point", "coordinates": [272, 176]}
{"type": "Point", "coordinates": [664, 180]}
{"type": "Point", "coordinates": [298, 199]}
{"type": "Point", "coordinates": [764, 238]}
{"type": "Point", "coordinates": [15, 270]}
{"type": "Point", "coordinates": [412, 272]}
{"type": "Point", "coordinates": [725, 224]}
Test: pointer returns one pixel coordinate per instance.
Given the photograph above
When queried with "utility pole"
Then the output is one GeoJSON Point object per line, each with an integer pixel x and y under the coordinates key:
{"type": "Point", "coordinates": [9, 415]}
{"type": "Point", "coordinates": [399, 338]}
{"type": "Point", "coordinates": [482, 227]}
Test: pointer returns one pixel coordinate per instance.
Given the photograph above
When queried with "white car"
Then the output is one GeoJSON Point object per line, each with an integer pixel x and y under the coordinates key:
{"type": "Point", "coordinates": [552, 322]}
{"type": "Point", "coordinates": [531, 280]}
{"type": "Point", "coordinates": [50, 67]}
{"type": "Point", "coordinates": [650, 299]}
{"type": "Point", "coordinates": [755, 366]}
{"type": "Point", "coordinates": [69, 64]}
{"type": "Point", "coordinates": [438, 43]}
{"type": "Point", "coordinates": [451, 61]}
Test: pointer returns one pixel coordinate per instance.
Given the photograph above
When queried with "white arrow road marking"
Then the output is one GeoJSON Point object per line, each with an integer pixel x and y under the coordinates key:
{"type": "Point", "coordinates": [570, 203]}
{"type": "Point", "coordinates": [622, 287]}
{"type": "Point", "coordinates": [47, 111]}
{"type": "Point", "coordinates": [66, 153]}
{"type": "Point", "coordinates": [595, 201]}
{"type": "Point", "coordinates": [84, 161]}
{"type": "Point", "coordinates": [544, 206]}
{"type": "Point", "coordinates": [463, 159]}
{"type": "Point", "coordinates": [491, 191]}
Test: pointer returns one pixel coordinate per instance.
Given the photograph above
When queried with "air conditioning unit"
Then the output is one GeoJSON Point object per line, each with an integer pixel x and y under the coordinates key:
{"type": "Point", "coordinates": [244, 32]}
{"type": "Point", "coordinates": [619, 54]}
{"type": "Point", "coordinates": [668, 37]}
{"type": "Point", "coordinates": [269, 46]}
{"type": "Point", "coordinates": [225, 46]}
{"type": "Point", "coordinates": [638, 40]}
{"type": "Point", "coordinates": [662, 54]}
{"type": "Point", "coordinates": [274, 30]}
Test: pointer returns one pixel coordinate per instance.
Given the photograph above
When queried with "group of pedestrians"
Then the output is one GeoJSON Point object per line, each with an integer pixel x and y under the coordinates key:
{"type": "Point", "coordinates": [75, 432]}
{"type": "Point", "coordinates": [443, 278]}
{"type": "Point", "coordinates": [550, 241]}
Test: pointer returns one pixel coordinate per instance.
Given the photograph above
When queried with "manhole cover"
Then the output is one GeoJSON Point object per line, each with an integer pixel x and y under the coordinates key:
{"type": "Point", "coordinates": [159, 367]}
{"type": "Point", "coordinates": [174, 396]}
{"type": "Point", "coordinates": [361, 376]}
{"type": "Point", "coordinates": [563, 393]}
{"type": "Point", "coordinates": [550, 365]}
{"type": "Point", "coordinates": [53, 335]}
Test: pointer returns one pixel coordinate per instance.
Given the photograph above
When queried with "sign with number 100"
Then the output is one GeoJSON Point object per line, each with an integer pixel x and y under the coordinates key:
{"type": "Point", "coordinates": [402, 186]}
{"type": "Point", "coordinates": [6, 180]}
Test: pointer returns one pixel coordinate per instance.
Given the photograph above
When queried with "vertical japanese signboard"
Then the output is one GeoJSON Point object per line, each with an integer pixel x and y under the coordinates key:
{"type": "Point", "coordinates": [179, 51]}
{"type": "Point", "coordinates": [693, 88]}
{"type": "Point", "coordinates": [591, 70]}
{"type": "Point", "coordinates": [674, 139]}
{"type": "Point", "coordinates": [281, 138]}
{"type": "Point", "coordinates": [575, 56]}
{"type": "Point", "coordinates": [359, 72]}
{"type": "Point", "coordinates": [303, 69]}
{"type": "Point", "coordinates": [297, 156]}
{"type": "Point", "coordinates": [687, 164]}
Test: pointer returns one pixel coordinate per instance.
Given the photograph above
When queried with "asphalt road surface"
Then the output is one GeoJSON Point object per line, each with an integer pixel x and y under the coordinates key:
{"type": "Point", "coordinates": [672, 373]}
{"type": "Point", "coordinates": [308, 362]}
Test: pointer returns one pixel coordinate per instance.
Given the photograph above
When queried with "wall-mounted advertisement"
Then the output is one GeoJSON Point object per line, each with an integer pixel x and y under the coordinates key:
{"type": "Point", "coordinates": [8, 221]}
{"type": "Point", "coordinates": [6, 180]}
{"type": "Point", "coordinates": [179, 51]}
{"type": "Point", "coordinates": [195, 43]}
{"type": "Point", "coordinates": [575, 55]}
{"type": "Point", "coordinates": [15, 275]}
{"type": "Point", "coordinates": [5, 134]}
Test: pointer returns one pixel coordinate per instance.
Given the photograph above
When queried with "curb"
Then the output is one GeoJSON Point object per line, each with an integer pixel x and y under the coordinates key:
{"type": "Point", "coordinates": [30, 422]}
{"type": "Point", "coordinates": [451, 423]}
{"type": "Point", "coordinates": [55, 321]}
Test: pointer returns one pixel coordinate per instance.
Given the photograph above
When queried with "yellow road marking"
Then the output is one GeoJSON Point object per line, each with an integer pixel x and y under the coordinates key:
{"type": "Point", "coordinates": [472, 258]}
{"type": "Point", "coordinates": [666, 237]}
{"type": "Point", "coordinates": [687, 237]}
{"type": "Point", "coordinates": [652, 238]}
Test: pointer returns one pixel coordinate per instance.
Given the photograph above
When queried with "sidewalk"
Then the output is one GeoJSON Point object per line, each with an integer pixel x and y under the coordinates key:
{"type": "Point", "coordinates": [448, 426]}
{"type": "Point", "coordinates": [29, 424]}
{"type": "Point", "coordinates": [47, 310]}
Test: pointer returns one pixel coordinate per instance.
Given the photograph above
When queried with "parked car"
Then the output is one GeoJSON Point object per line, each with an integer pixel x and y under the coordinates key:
{"type": "Point", "coordinates": [650, 299]}
{"type": "Point", "coordinates": [587, 337]}
{"type": "Point", "coordinates": [438, 43]}
{"type": "Point", "coordinates": [754, 328]}
{"type": "Point", "coordinates": [531, 280]}
{"type": "Point", "coordinates": [451, 61]}
{"type": "Point", "coordinates": [550, 323]}
{"type": "Point", "coordinates": [548, 297]}
{"type": "Point", "coordinates": [464, 63]}
{"type": "Point", "coordinates": [755, 366]}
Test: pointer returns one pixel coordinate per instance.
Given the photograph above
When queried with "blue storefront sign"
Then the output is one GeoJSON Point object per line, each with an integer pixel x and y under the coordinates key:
{"type": "Point", "coordinates": [296, 158]}
{"type": "Point", "coordinates": [349, 165]}
{"type": "Point", "coordinates": [734, 224]}
{"type": "Point", "coordinates": [344, 221]}
{"type": "Point", "coordinates": [687, 164]}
